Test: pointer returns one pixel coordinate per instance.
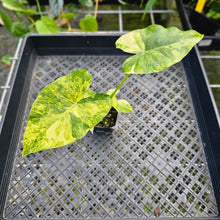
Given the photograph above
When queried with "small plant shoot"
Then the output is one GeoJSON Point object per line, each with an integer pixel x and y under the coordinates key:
{"type": "Point", "coordinates": [67, 109]}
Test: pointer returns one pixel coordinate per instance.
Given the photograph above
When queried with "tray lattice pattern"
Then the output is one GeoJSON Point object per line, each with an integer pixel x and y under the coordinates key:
{"type": "Point", "coordinates": [154, 159]}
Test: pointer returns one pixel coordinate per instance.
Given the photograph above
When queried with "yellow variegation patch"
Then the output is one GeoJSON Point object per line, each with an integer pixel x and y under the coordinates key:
{"type": "Point", "coordinates": [156, 48]}
{"type": "Point", "coordinates": [64, 112]}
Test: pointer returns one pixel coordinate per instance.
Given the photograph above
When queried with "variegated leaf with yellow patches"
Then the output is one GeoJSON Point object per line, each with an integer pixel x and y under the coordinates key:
{"type": "Point", "coordinates": [156, 48]}
{"type": "Point", "coordinates": [64, 112]}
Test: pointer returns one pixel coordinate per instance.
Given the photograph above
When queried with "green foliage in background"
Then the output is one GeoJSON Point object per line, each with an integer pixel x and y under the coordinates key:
{"type": "Point", "coordinates": [35, 20]}
{"type": "Point", "coordinates": [6, 59]}
{"type": "Point", "coordinates": [88, 23]}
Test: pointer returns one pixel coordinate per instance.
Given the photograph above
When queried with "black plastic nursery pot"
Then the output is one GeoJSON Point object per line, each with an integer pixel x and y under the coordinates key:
{"type": "Point", "coordinates": [162, 156]}
{"type": "Point", "coordinates": [201, 23]}
{"type": "Point", "coordinates": [108, 124]}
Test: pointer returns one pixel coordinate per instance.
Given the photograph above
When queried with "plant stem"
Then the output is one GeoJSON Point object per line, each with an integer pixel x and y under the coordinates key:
{"type": "Point", "coordinates": [38, 7]}
{"type": "Point", "coordinates": [32, 21]}
{"type": "Point", "coordinates": [96, 8]}
{"type": "Point", "coordinates": [119, 86]}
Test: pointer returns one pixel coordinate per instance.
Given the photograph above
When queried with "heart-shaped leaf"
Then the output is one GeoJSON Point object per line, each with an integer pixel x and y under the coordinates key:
{"type": "Point", "coordinates": [46, 26]}
{"type": "Point", "coordinates": [88, 23]}
{"type": "Point", "coordinates": [61, 114]}
{"type": "Point", "coordinates": [156, 48]}
{"type": "Point", "coordinates": [120, 105]}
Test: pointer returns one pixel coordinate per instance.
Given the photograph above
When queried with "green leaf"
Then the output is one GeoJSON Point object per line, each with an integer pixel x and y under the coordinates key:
{"type": "Point", "coordinates": [148, 5]}
{"type": "Point", "coordinates": [15, 5]}
{"type": "Point", "coordinates": [89, 23]}
{"type": "Point", "coordinates": [86, 3]}
{"type": "Point", "coordinates": [19, 30]}
{"type": "Point", "coordinates": [120, 105]}
{"type": "Point", "coordinates": [89, 93]}
{"type": "Point", "coordinates": [214, 11]}
{"type": "Point", "coordinates": [61, 115]}
{"type": "Point", "coordinates": [71, 7]}
{"type": "Point", "coordinates": [123, 106]}
{"type": "Point", "coordinates": [110, 91]}
{"type": "Point", "coordinates": [6, 19]}
{"type": "Point", "coordinates": [68, 16]}
{"type": "Point", "coordinates": [46, 26]}
{"type": "Point", "coordinates": [156, 48]}
{"type": "Point", "coordinates": [6, 59]}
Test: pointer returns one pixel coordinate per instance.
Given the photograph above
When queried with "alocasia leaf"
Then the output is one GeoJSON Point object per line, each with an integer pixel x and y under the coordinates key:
{"type": "Point", "coordinates": [123, 106]}
{"type": "Point", "coordinates": [61, 114]}
{"type": "Point", "coordinates": [156, 48]}
{"type": "Point", "coordinates": [46, 26]}
{"type": "Point", "coordinates": [120, 105]}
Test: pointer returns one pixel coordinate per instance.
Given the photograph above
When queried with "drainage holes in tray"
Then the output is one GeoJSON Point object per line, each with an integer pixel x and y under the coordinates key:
{"type": "Point", "coordinates": [148, 133]}
{"type": "Point", "coordinates": [134, 148]}
{"type": "Point", "coordinates": [163, 189]}
{"type": "Point", "coordinates": [187, 180]}
{"type": "Point", "coordinates": [179, 188]}
{"type": "Point", "coordinates": [174, 155]}
{"type": "Point", "coordinates": [173, 198]}
{"type": "Point", "coordinates": [149, 148]}
{"type": "Point", "coordinates": [165, 148]}
{"type": "Point", "coordinates": [141, 140]}
{"type": "Point", "coordinates": [170, 179]}
{"type": "Point", "coordinates": [177, 171]}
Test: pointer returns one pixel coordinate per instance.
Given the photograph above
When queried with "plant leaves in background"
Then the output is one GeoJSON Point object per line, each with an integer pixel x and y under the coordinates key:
{"type": "Point", "coordinates": [46, 26]}
{"type": "Point", "coordinates": [88, 23]}
{"type": "Point", "coordinates": [71, 7]}
{"type": "Point", "coordinates": [16, 28]}
{"type": "Point", "coordinates": [61, 115]}
{"type": "Point", "coordinates": [68, 16]}
{"type": "Point", "coordinates": [16, 6]}
{"type": "Point", "coordinates": [6, 19]}
{"type": "Point", "coordinates": [56, 7]}
{"type": "Point", "coordinates": [156, 48]}
{"type": "Point", "coordinates": [19, 30]}
{"type": "Point", "coordinates": [214, 11]}
{"type": "Point", "coordinates": [6, 59]}
{"type": "Point", "coordinates": [86, 3]}
{"type": "Point", "coordinates": [148, 5]}
{"type": "Point", "coordinates": [122, 2]}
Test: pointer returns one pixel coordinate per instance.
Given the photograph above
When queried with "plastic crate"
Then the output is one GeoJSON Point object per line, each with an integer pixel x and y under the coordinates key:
{"type": "Point", "coordinates": [162, 156]}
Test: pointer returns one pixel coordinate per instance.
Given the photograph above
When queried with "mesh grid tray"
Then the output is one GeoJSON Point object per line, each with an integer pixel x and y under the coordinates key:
{"type": "Point", "coordinates": [154, 159]}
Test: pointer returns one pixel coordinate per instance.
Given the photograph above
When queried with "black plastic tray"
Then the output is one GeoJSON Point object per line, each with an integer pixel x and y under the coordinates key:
{"type": "Point", "coordinates": [35, 46]}
{"type": "Point", "coordinates": [210, 41]}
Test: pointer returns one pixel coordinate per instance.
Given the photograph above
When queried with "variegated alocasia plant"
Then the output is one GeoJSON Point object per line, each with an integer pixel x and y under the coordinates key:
{"type": "Point", "coordinates": [67, 109]}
